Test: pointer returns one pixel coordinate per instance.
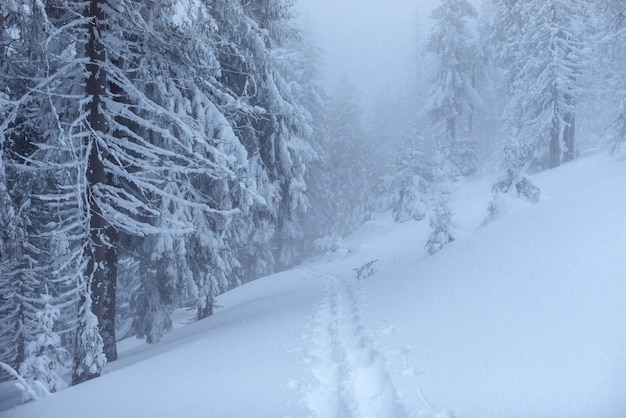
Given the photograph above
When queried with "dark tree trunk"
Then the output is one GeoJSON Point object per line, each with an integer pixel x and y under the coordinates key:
{"type": "Point", "coordinates": [101, 253]}
{"type": "Point", "coordinates": [207, 310]}
{"type": "Point", "coordinates": [20, 343]}
{"type": "Point", "coordinates": [107, 320]}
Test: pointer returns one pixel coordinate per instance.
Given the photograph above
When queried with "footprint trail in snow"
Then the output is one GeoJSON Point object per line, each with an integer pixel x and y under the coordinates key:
{"type": "Point", "coordinates": [350, 379]}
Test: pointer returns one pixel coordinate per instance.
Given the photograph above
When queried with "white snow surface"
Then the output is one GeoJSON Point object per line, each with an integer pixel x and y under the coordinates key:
{"type": "Point", "coordinates": [521, 317]}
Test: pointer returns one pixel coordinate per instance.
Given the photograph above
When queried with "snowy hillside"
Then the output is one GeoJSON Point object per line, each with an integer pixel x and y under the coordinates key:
{"type": "Point", "coordinates": [521, 317]}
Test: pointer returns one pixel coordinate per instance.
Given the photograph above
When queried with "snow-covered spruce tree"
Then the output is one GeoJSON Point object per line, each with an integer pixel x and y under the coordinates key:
{"type": "Point", "coordinates": [453, 95]}
{"type": "Point", "coordinates": [301, 60]}
{"type": "Point", "coordinates": [271, 125]}
{"type": "Point", "coordinates": [14, 285]}
{"type": "Point", "coordinates": [138, 102]}
{"type": "Point", "coordinates": [410, 184]}
{"type": "Point", "coordinates": [48, 168]}
{"type": "Point", "coordinates": [289, 133]}
{"type": "Point", "coordinates": [513, 184]}
{"type": "Point", "coordinates": [440, 222]}
{"type": "Point", "coordinates": [349, 159]}
{"type": "Point", "coordinates": [441, 219]}
{"type": "Point", "coordinates": [44, 262]}
{"type": "Point", "coordinates": [128, 284]}
{"type": "Point", "coordinates": [7, 222]}
{"type": "Point", "coordinates": [170, 75]}
{"type": "Point", "coordinates": [58, 227]}
{"type": "Point", "coordinates": [46, 362]}
{"type": "Point", "coordinates": [125, 107]}
{"type": "Point", "coordinates": [39, 257]}
{"type": "Point", "coordinates": [395, 131]}
{"type": "Point", "coordinates": [389, 121]}
{"type": "Point", "coordinates": [57, 235]}
{"type": "Point", "coordinates": [88, 350]}
{"type": "Point", "coordinates": [194, 269]}
{"type": "Point", "coordinates": [304, 99]}
{"type": "Point", "coordinates": [611, 22]}
{"type": "Point", "coordinates": [540, 45]}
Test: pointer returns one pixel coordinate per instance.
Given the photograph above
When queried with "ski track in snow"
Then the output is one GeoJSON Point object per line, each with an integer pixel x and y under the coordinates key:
{"type": "Point", "coordinates": [350, 378]}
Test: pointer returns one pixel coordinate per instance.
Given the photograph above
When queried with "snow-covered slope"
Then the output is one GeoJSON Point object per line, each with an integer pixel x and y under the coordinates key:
{"type": "Point", "coordinates": [522, 317]}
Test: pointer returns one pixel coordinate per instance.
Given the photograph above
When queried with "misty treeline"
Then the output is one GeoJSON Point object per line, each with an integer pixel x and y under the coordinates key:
{"type": "Point", "coordinates": [155, 154]}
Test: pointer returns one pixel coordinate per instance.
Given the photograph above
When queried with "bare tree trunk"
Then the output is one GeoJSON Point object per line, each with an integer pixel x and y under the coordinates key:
{"type": "Point", "coordinates": [101, 253]}
{"type": "Point", "coordinates": [107, 319]}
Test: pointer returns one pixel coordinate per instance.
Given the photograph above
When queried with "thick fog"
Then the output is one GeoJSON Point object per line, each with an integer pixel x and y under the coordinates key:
{"type": "Point", "coordinates": [375, 42]}
{"type": "Point", "coordinates": [372, 41]}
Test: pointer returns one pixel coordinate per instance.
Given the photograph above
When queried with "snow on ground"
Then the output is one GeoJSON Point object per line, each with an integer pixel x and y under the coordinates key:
{"type": "Point", "coordinates": [521, 317]}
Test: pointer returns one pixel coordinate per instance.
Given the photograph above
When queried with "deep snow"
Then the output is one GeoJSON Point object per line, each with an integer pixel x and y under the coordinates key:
{"type": "Point", "coordinates": [522, 317]}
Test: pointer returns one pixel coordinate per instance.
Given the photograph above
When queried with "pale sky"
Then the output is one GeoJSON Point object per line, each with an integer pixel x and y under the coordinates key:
{"type": "Point", "coordinates": [372, 41]}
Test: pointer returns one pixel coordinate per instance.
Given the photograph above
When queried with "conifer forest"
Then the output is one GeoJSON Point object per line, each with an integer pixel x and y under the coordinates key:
{"type": "Point", "coordinates": [155, 155]}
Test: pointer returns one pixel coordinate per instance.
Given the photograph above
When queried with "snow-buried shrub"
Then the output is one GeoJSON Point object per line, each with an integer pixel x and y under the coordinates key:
{"type": "Point", "coordinates": [441, 222]}
{"type": "Point", "coordinates": [507, 190]}
{"type": "Point", "coordinates": [46, 361]}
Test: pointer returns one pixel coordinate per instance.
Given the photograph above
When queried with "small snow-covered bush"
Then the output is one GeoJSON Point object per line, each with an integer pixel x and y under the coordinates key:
{"type": "Point", "coordinates": [462, 156]}
{"type": "Point", "coordinates": [510, 188]}
{"type": "Point", "coordinates": [441, 222]}
{"type": "Point", "coordinates": [329, 243]}
{"type": "Point", "coordinates": [407, 203]}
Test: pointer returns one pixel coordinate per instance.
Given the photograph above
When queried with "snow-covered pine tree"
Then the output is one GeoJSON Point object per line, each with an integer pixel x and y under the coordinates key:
{"type": "Point", "coordinates": [286, 127]}
{"type": "Point", "coordinates": [410, 185]}
{"type": "Point", "coordinates": [300, 66]}
{"type": "Point", "coordinates": [396, 127]}
{"type": "Point", "coordinates": [46, 363]}
{"type": "Point", "coordinates": [58, 233]}
{"type": "Point", "coordinates": [88, 349]}
{"type": "Point", "coordinates": [241, 53]}
{"type": "Point", "coordinates": [218, 254]}
{"type": "Point", "coordinates": [620, 36]}
{"type": "Point", "coordinates": [173, 69]}
{"type": "Point", "coordinates": [128, 284]}
{"type": "Point", "coordinates": [350, 159]}
{"type": "Point", "coordinates": [7, 220]}
{"type": "Point", "coordinates": [399, 123]}
{"type": "Point", "coordinates": [453, 96]}
{"type": "Point", "coordinates": [513, 184]}
{"type": "Point", "coordinates": [12, 328]}
{"type": "Point", "coordinates": [441, 219]}
{"type": "Point", "coordinates": [541, 47]}
{"type": "Point", "coordinates": [28, 131]}
{"type": "Point", "coordinates": [440, 222]}
{"type": "Point", "coordinates": [176, 139]}
{"type": "Point", "coordinates": [47, 168]}
{"type": "Point", "coordinates": [611, 28]}
{"type": "Point", "coordinates": [13, 285]}
{"type": "Point", "coordinates": [271, 125]}
{"type": "Point", "coordinates": [144, 118]}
